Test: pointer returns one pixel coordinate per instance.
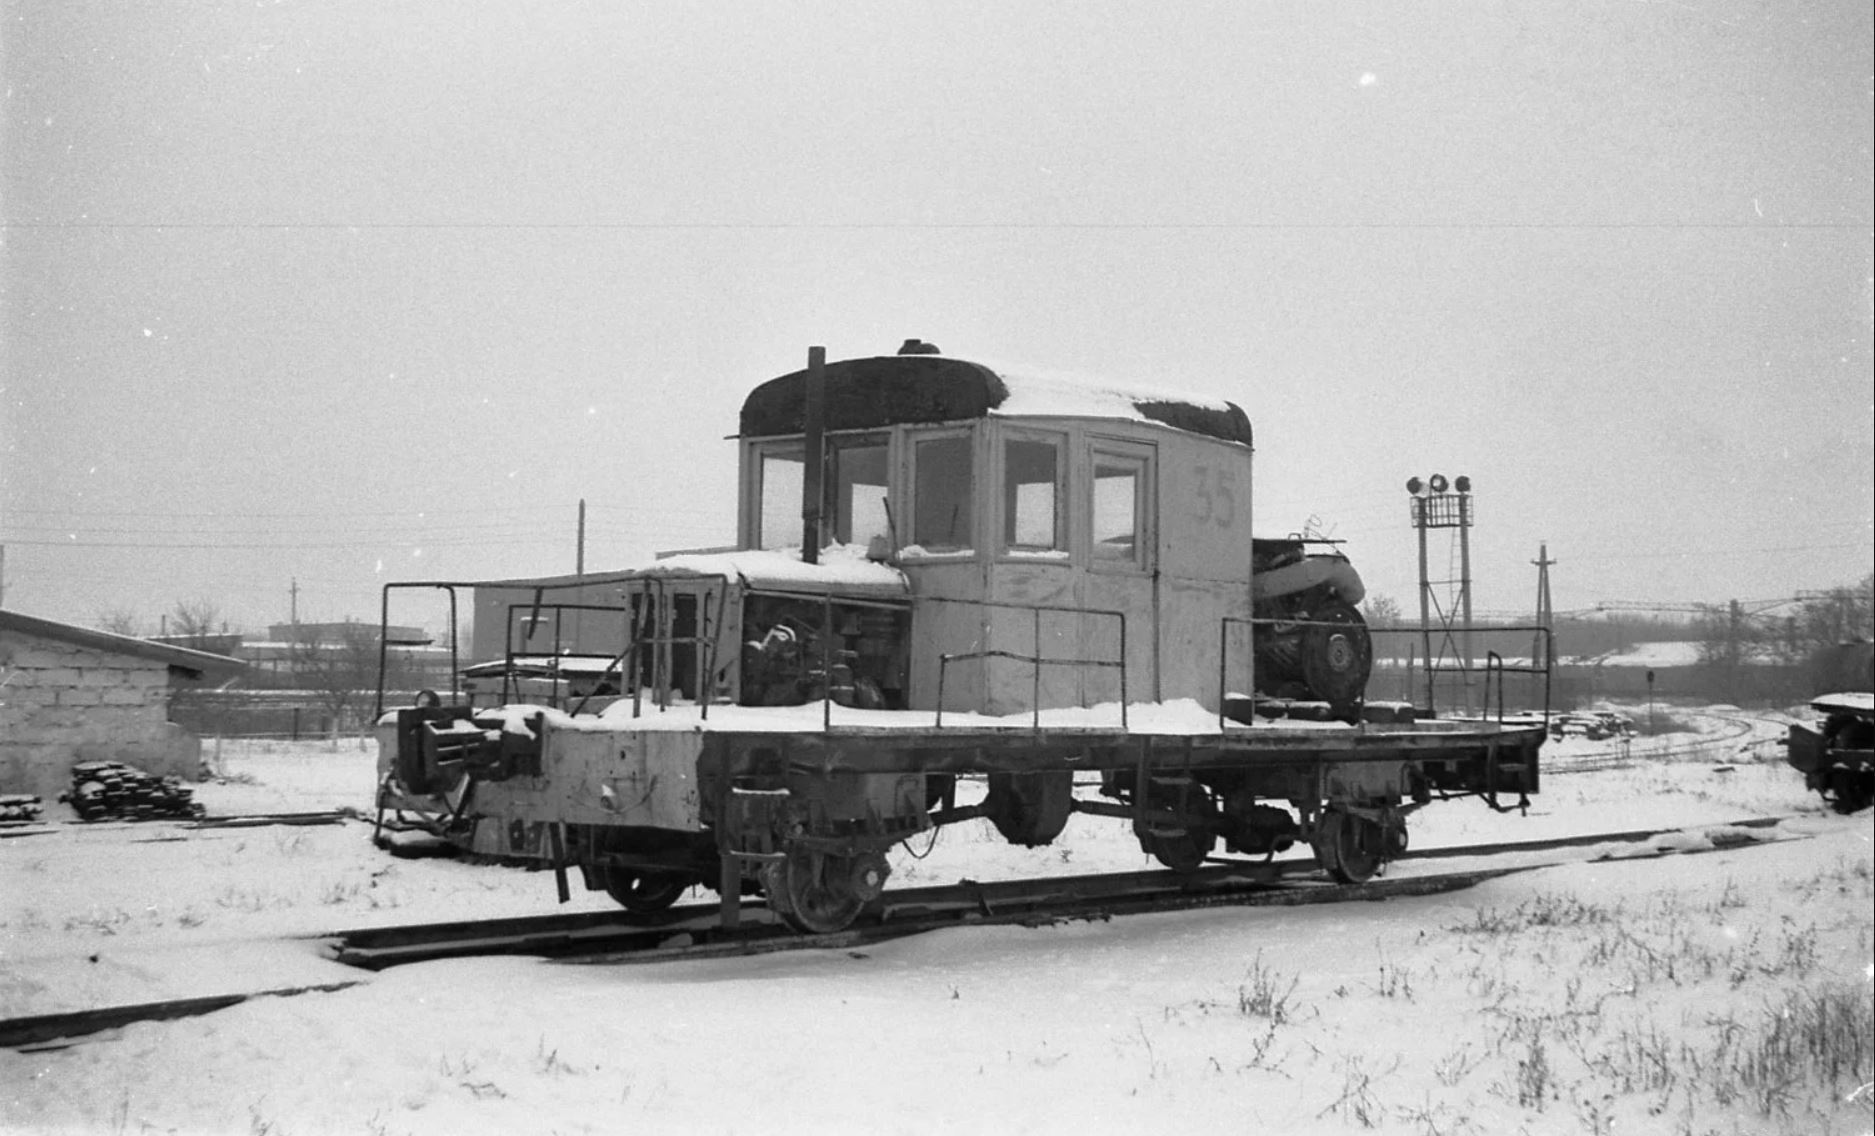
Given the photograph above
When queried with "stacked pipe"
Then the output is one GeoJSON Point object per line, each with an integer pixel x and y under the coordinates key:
{"type": "Point", "coordinates": [17, 806]}
{"type": "Point", "coordinates": [112, 789]}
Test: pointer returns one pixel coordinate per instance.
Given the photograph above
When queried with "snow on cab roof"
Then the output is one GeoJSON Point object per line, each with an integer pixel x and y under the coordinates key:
{"type": "Point", "coordinates": [887, 390]}
{"type": "Point", "coordinates": [843, 568]}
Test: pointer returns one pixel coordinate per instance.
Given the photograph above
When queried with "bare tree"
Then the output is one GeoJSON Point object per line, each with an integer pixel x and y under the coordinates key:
{"type": "Point", "coordinates": [1727, 643]}
{"type": "Point", "coordinates": [120, 621]}
{"type": "Point", "coordinates": [1844, 614]}
{"type": "Point", "coordinates": [341, 671]}
{"type": "Point", "coordinates": [1381, 611]}
{"type": "Point", "coordinates": [195, 622]}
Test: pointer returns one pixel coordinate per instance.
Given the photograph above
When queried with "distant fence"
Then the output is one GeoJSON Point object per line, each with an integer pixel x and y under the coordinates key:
{"type": "Point", "coordinates": [275, 713]}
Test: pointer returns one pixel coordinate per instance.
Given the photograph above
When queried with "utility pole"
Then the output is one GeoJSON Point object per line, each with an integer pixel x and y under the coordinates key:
{"type": "Point", "coordinates": [1543, 649]}
{"type": "Point", "coordinates": [579, 557]}
{"type": "Point", "coordinates": [293, 603]}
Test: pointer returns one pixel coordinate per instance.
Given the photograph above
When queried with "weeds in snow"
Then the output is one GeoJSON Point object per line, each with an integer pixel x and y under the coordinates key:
{"type": "Point", "coordinates": [1395, 981]}
{"type": "Point", "coordinates": [548, 1060]}
{"type": "Point", "coordinates": [1357, 1101]}
{"type": "Point", "coordinates": [249, 900]}
{"type": "Point", "coordinates": [1264, 995]}
{"type": "Point", "coordinates": [1546, 910]}
{"type": "Point", "coordinates": [461, 1073]}
{"type": "Point", "coordinates": [99, 920]}
{"type": "Point", "coordinates": [1437, 1119]}
{"type": "Point", "coordinates": [1729, 897]}
{"type": "Point", "coordinates": [258, 1125]}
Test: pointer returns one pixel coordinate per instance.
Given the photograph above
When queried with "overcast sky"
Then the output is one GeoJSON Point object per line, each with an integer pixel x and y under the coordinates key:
{"type": "Point", "coordinates": [345, 293]}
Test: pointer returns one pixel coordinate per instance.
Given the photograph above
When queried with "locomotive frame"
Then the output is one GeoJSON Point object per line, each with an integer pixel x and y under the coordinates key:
{"type": "Point", "coordinates": [1044, 585]}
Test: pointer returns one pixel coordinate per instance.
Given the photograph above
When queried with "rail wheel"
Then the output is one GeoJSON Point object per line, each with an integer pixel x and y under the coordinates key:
{"type": "Point", "coordinates": [820, 893]}
{"type": "Point", "coordinates": [1849, 791]}
{"type": "Point", "coordinates": [1184, 848]}
{"type": "Point", "coordinates": [1348, 847]}
{"type": "Point", "coordinates": [645, 891]}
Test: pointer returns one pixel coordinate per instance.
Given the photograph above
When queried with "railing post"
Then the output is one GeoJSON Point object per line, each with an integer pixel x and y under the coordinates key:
{"type": "Point", "coordinates": [826, 662]}
{"type": "Point", "coordinates": [1035, 676]}
{"type": "Point", "coordinates": [1223, 657]}
{"type": "Point", "coordinates": [1122, 618]}
{"type": "Point", "coordinates": [944, 665]}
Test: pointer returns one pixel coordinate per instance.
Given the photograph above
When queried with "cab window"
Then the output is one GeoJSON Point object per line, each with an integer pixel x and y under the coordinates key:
{"type": "Point", "coordinates": [857, 486]}
{"type": "Point", "coordinates": [943, 486]}
{"type": "Point", "coordinates": [1121, 498]}
{"type": "Point", "coordinates": [782, 472]}
{"type": "Point", "coordinates": [1032, 495]}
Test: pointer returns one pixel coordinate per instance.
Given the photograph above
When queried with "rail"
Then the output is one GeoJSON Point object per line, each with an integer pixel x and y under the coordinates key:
{"type": "Point", "coordinates": [1036, 660]}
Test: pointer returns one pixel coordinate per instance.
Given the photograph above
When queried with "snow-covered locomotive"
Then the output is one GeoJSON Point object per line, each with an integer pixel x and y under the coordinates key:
{"type": "Point", "coordinates": [945, 570]}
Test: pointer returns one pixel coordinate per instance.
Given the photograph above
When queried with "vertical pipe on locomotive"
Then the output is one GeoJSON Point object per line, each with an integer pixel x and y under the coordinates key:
{"type": "Point", "coordinates": [814, 425]}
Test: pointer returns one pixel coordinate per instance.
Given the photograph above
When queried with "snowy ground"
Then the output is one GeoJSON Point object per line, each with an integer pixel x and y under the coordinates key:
{"type": "Point", "coordinates": [1692, 994]}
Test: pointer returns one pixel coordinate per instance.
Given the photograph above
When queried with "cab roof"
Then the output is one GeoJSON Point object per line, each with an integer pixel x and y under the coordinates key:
{"type": "Point", "coordinates": [888, 390]}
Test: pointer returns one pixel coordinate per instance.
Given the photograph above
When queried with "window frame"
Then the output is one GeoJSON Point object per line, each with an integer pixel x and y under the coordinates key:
{"type": "Point", "coordinates": [759, 453]}
{"type": "Point", "coordinates": [1142, 459]}
{"type": "Point", "coordinates": [909, 537]}
{"type": "Point", "coordinates": [1062, 550]}
{"type": "Point", "coordinates": [830, 483]}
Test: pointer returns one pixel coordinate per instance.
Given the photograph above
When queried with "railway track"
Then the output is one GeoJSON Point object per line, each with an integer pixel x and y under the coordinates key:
{"type": "Point", "coordinates": [693, 932]}
{"type": "Point", "coordinates": [12, 829]}
{"type": "Point", "coordinates": [1736, 728]}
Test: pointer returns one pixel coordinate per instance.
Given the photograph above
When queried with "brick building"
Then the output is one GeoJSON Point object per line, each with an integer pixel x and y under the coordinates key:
{"type": "Point", "coordinates": [71, 694]}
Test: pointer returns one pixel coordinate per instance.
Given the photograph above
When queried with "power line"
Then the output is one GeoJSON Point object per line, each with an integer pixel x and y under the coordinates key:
{"type": "Point", "coordinates": [931, 226]}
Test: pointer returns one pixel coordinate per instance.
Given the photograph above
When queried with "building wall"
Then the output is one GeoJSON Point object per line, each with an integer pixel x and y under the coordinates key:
{"type": "Point", "coordinates": [63, 703]}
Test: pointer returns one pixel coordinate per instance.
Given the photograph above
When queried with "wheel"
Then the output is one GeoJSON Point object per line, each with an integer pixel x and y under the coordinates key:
{"type": "Point", "coordinates": [1182, 849]}
{"type": "Point", "coordinates": [818, 893]}
{"type": "Point", "coordinates": [1336, 660]}
{"type": "Point", "coordinates": [645, 891]}
{"type": "Point", "coordinates": [1849, 791]}
{"type": "Point", "coordinates": [1349, 848]}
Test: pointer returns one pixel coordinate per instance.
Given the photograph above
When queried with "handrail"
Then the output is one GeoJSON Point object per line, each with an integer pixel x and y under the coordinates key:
{"type": "Point", "coordinates": [384, 626]}
{"type": "Point", "coordinates": [1543, 664]}
{"type": "Point", "coordinates": [534, 609]}
{"type": "Point", "coordinates": [1431, 668]}
{"type": "Point", "coordinates": [655, 611]}
{"type": "Point", "coordinates": [1037, 660]}
{"type": "Point", "coordinates": [1494, 664]}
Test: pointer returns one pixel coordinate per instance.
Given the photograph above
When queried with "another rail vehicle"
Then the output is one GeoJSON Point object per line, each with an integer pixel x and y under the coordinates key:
{"type": "Point", "coordinates": [1837, 755]}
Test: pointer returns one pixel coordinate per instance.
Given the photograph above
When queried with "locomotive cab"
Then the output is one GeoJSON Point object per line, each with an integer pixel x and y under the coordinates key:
{"type": "Point", "coordinates": [1035, 516]}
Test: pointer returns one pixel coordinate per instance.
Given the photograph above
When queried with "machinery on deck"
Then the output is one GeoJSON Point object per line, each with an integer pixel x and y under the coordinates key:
{"type": "Point", "coordinates": [960, 591]}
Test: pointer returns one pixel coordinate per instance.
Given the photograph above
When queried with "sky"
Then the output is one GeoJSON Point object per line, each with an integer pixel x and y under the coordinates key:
{"type": "Point", "coordinates": [330, 295]}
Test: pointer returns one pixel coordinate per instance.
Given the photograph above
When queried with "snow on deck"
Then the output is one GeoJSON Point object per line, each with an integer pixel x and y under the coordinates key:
{"type": "Point", "coordinates": [1180, 718]}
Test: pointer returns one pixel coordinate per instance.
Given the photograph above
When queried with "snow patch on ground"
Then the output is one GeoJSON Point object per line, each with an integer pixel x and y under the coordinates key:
{"type": "Point", "coordinates": [1594, 996]}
